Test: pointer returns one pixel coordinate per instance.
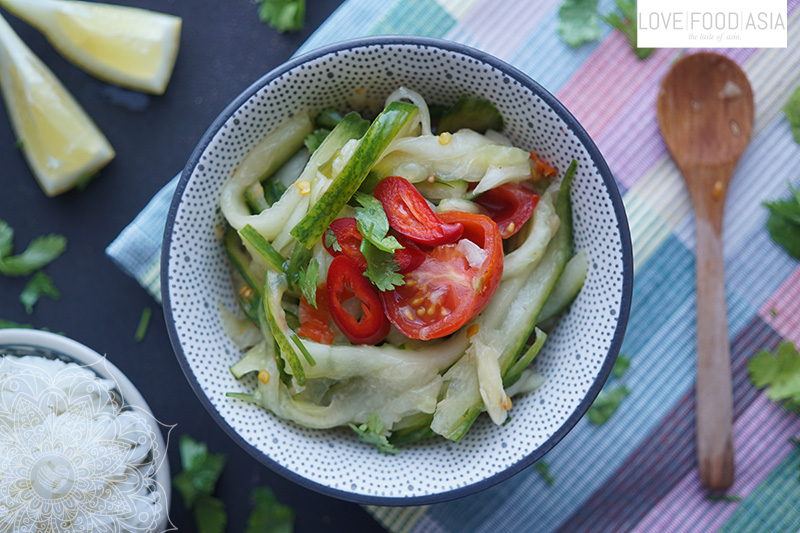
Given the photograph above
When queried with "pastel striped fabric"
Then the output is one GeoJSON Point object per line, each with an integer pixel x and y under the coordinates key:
{"type": "Point", "coordinates": [637, 472]}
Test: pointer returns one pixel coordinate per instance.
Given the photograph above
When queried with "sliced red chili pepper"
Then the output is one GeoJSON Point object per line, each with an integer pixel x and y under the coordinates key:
{"type": "Point", "coordinates": [315, 322]}
{"type": "Point", "coordinates": [345, 281]}
{"type": "Point", "coordinates": [349, 238]}
{"type": "Point", "coordinates": [509, 205]}
{"type": "Point", "coordinates": [410, 215]}
{"type": "Point", "coordinates": [543, 169]}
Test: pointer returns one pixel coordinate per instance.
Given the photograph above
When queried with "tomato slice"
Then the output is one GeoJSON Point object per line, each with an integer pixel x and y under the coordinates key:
{"type": "Point", "coordinates": [345, 281]}
{"type": "Point", "coordinates": [453, 284]}
{"type": "Point", "coordinates": [315, 322]}
{"type": "Point", "coordinates": [349, 238]}
{"type": "Point", "coordinates": [510, 206]}
{"type": "Point", "coordinates": [410, 215]}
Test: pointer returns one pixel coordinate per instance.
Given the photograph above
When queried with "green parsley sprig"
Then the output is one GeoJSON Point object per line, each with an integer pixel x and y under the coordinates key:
{"type": "Point", "coordinates": [372, 433]}
{"type": "Point", "coordinates": [283, 15]}
{"type": "Point", "coordinates": [779, 373]}
{"type": "Point", "coordinates": [783, 223]}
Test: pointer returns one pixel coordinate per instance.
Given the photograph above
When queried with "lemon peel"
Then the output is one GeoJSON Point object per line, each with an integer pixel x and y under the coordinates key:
{"type": "Point", "coordinates": [61, 144]}
{"type": "Point", "coordinates": [127, 46]}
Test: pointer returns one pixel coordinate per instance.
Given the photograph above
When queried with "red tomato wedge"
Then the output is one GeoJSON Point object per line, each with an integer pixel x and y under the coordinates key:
{"type": "Point", "coordinates": [349, 238]}
{"type": "Point", "coordinates": [510, 206]}
{"type": "Point", "coordinates": [345, 281]}
{"type": "Point", "coordinates": [315, 323]}
{"type": "Point", "coordinates": [410, 215]}
{"type": "Point", "coordinates": [453, 284]}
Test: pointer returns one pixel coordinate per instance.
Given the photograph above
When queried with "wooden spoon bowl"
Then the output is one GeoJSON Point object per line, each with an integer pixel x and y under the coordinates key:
{"type": "Point", "coordinates": [705, 112]}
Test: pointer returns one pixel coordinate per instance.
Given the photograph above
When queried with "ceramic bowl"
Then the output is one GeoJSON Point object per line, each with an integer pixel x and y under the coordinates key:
{"type": "Point", "coordinates": [88, 454]}
{"type": "Point", "coordinates": [576, 359]}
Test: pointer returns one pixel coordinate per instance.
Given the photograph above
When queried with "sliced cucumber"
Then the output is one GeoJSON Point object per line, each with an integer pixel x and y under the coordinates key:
{"type": "Point", "coordinates": [276, 318]}
{"type": "Point", "coordinates": [439, 190]}
{"type": "Point", "coordinates": [567, 287]}
{"type": "Point", "coordinates": [255, 360]}
{"type": "Point", "coordinates": [471, 112]}
{"type": "Point", "coordinates": [241, 261]}
{"type": "Point", "coordinates": [256, 242]}
{"type": "Point", "coordinates": [389, 124]}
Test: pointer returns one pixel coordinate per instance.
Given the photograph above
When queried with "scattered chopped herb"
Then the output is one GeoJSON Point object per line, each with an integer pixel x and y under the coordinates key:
{"type": "Point", "coordinates": [773, 312]}
{"type": "Point", "coordinates": [331, 241]}
{"type": "Point", "coordinates": [373, 224]}
{"type": "Point", "coordinates": [714, 497]}
{"type": "Point", "coordinates": [578, 22]}
{"type": "Point", "coordinates": [41, 251]}
{"type": "Point", "coordinates": [780, 372]}
{"type": "Point", "coordinates": [283, 15]}
{"type": "Point", "coordinates": [315, 138]}
{"type": "Point", "coordinates": [372, 433]}
{"type": "Point", "coordinates": [269, 515]}
{"type": "Point", "coordinates": [792, 111]}
{"type": "Point", "coordinates": [544, 471]}
{"type": "Point", "coordinates": [626, 24]}
{"type": "Point", "coordinates": [302, 347]}
{"type": "Point", "coordinates": [39, 285]}
{"type": "Point", "coordinates": [621, 365]}
{"type": "Point", "coordinates": [382, 268]}
{"type": "Point", "coordinates": [784, 222]}
{"type": "Point", "coordinates": [196, 483]}
{"type": "Point", "coordinates": [308, 282]}
{"type": "Point", "coordinates": [606, 404]}
{"type": "Point", "coordinates": [8, 324]}
{"type": "Point", "coordinates": [144, 322]}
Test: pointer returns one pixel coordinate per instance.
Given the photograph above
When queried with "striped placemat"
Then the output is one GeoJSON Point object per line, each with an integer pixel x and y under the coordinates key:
{"type": "Point", "coordinates": [636, 472]}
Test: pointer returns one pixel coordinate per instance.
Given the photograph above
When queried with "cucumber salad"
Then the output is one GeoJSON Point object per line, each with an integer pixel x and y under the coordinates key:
{"type": "Point", "coordinates": [396, 276]}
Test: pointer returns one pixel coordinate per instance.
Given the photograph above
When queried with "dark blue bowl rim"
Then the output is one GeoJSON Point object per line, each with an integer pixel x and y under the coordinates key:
{"type": "Point", "coordinates": [597, 159]}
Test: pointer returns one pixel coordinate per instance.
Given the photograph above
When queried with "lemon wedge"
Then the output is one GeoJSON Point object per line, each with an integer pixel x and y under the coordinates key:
{"type": "Point", "coordinates": [58, 139]}
{"type": "Point", "coordinates": [127, 46]}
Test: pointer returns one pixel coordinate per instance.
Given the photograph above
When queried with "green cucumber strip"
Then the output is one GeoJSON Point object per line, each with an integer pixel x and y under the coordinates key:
{"type": "Point", "coordinates": [420, 431]}
{"type": "Point", "coordinates": [274, 259]}
{"type": "Point", "coordinates": [298, 263]}
{"type": "Point", "coordinates": [471, 112]}
{"type": "Point", "coordinates": [273, 190]}
{"type": "Point", "coordinates": [249, 398]}
{"type": "Point", "coordinates": [532, 296]}
{"type": "Point", "coordinates": [328, 118]}
{"type": "Point", "coordinates": [254, 196]}
{"type": "Point", "coordinates": [240, 260]}
{"type": "Point", "coordinates": [303, 349]}
{"type": "Point", "coordinates": [515, 371]}
{"type": "Point", "coordinates": [567, 287]}
{"type": "Point", "coordinates": [273, 290]}
{"type": "Point", "coordinates": [381, 132]}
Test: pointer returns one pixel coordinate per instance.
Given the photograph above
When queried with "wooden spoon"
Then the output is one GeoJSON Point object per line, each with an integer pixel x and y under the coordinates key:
{"type": "Point", "coordinates": [705, 111]}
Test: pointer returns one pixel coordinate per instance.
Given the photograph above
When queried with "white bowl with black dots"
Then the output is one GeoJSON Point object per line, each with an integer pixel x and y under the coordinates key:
{"type": "Point", "coordinates": [577, 356]}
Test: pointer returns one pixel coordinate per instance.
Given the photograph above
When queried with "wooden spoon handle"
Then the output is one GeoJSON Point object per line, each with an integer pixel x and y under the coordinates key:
{"type": "Point", "coordinates": [714, 398]}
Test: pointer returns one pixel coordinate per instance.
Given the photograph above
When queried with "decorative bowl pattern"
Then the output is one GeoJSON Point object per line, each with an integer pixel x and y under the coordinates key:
{"type": "Point", "coordinates": [577, 357]}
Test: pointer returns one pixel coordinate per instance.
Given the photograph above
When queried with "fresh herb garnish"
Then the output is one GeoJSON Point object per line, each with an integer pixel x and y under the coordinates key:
{"type": "Point", "coordinates": [196, 483]}
{"type": "Point", "coordinates": [41, 251]}
{"type": "Point", "coordinates": [792, 112]}
{"type": "Point", "coordinates": [372, 433]}
{"type": "Point", "coordinates": [606, 404]}
{"type": "Point", "coordinates": [578, 22]}
{"type": "Point", "coordinates": [331, 241]}
{"type": "Point", "coordinates": [39, 285]}
{"type": "Point", "coordinates": [780, 372]}
{"type": "Point", "coordinates": [373, 224]}
{"type": "Point", "coordinates": [315, 138]}
{"type": "Point", "coordinates": [544, 471]}
{"type": "Point", "coordinates": [626, 24]}
{"type": "Point", "coordinates": [144, 322]}
{"type": "Point", "coordinates": [714, 497]}
{"type": "Point", "coordinates": [307, 282]}
{"type": "Point", "coordinates": [784, 222]}
{"type": "Point", "coordinates": [620, 365]}
{"type": "Point", "coordinates": [269, 516]}
{"type": "Point", "coordinates": [382, 267]}
{"type": "Point", "coordinates": [283, 15]}
{"type": "Point", "coordinates": [8, 324]}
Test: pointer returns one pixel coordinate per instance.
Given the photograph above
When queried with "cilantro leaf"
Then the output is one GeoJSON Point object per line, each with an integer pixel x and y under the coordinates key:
{"type": "Point", "coordinates": [8, 324]}
{"type": "Point", "coordinates": [39, 285]}
{"type": "Point", "coordinates": [210, 515]}
{"type": "Point", "coordinates": [544, 471]}
{"type": "Point", "coordinates": [308, 282]}
{"type": "Point", "coordinates": [626, 24]}
{"type": "Point", "coordinates": [372, 433]}
{"type": "Point", "coordinates": [620, 365]}
{"type": "Point", "coordinates": [780, 372]}
{"type": "Point", "coordinates": [792, 112]}
{"type": "Point", "coordinates": [201, 470]}
{"type": "Point", "coordinates": [373, 224]}
{"type": "Point", "coordinates": [606, 404]}
{"type": "Point", "coordinates": [315, 138]}
{"type": "Point", "coordinates": [283, 15]}
{"type": "Point", "coordinates": [41, 251]}
{"type": "Point", "coordinates": [331, 241]}
{"type": "Point", "coordinates": [269, 516]}
{"type": "Point", "coordinates": [382, 268]}
{"type": "Point", "coordinates": [783, 223]}
{"type": "Point", "coordinates": [578, 22]}
{"type": "Point", "coordinates": [144, 322]}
